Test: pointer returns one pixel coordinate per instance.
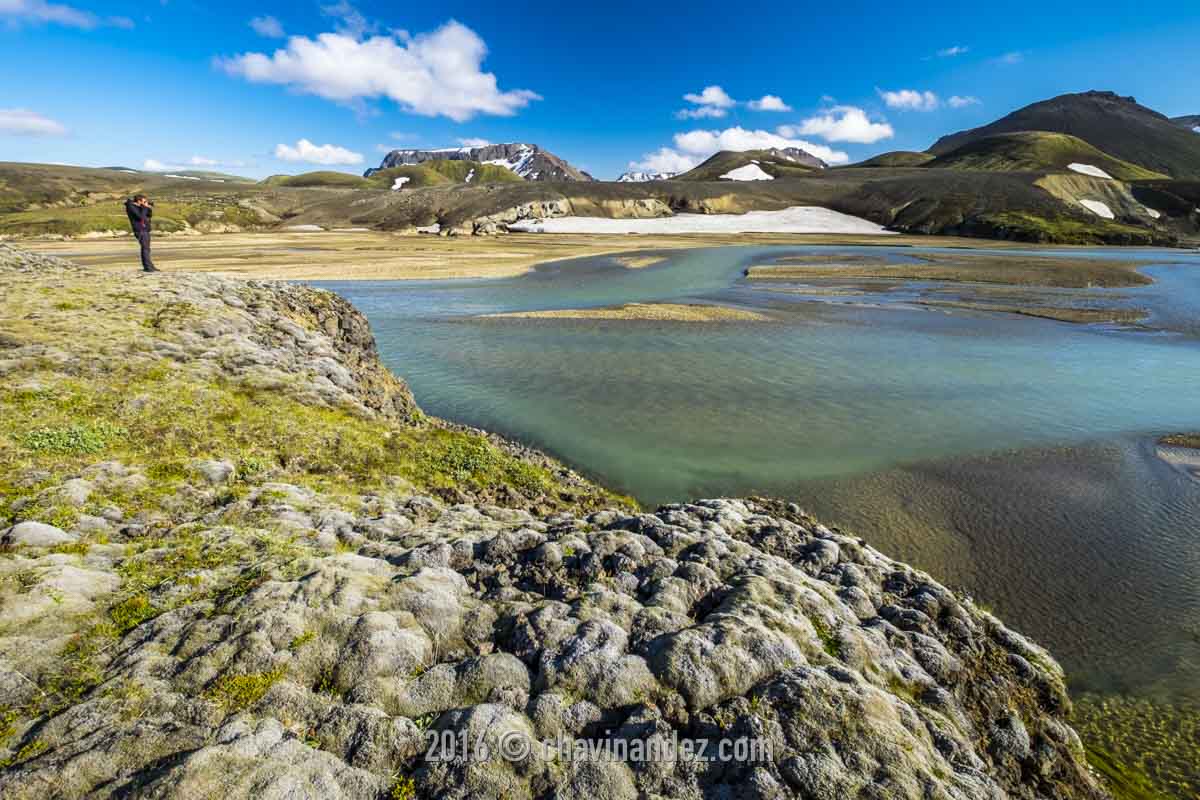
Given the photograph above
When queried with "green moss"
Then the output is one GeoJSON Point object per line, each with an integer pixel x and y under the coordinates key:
{"type": "Point", "coordinates": [403, 788]}
{"type": "Point", "coordinates": [130, 613]}
{"type": "Point", "coordinates": [79, 438]}
{"type": "Point", "coordinates": [236, 693]}
{"type": "Point", "coordinates": [27, 752]}
{"type": "Point", "coordinates": [302, 640]}
{"type": "Point", "coordinates": [1125, 782]}
{"type": "Point", "coordinates": [1028, 226]}
{"type": "Point", "coordinates": [829, 640]}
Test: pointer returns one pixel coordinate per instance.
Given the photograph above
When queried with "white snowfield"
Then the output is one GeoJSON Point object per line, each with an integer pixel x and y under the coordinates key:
{"type": "Point", "coordinates": [797, 219]}
{"type": "Point", "coordinates": [398, 184]}
{"type": "Point", "coordinates": [1088, 169]}
{"type": "Point", "coordinates": [1098, 208]}
{"type": "Point", "coordinates": [750, 172]}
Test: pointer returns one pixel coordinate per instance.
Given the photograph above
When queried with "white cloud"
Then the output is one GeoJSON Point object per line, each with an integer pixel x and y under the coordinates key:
{"type": "Point", "coordinates": [712, 102]}
{"type": "Point", "coordinates": [326, 154]}
{"type": "Point", "coordinates": [841, 124]}
{"type": "Point", "coordinates": [474, 142]}
{"type": "Point", "coordinates": [703, 112]}
{"type": "Point", "coordinates": [910, 100]}
{"type": "Point", "coordinates": [431, 74]}
{"type": "Point", "coordinates": [22, 122]}
{"type": "Point", "coordinates": [962, 101]}
{"type": "Point", "coordinates": [694, 146]}
{"type": "Point", "coordinates": [267, 26]}
{"type": "Point", "coordinates": [665, 160]}
{"type": "Point", "coordinates": [955, 50]}
{"type": "Point", "coordinates": [1015, 57]}
{"type": "Point", "coordinates": [40, 11]}
{"type": "Point", "coordinates": [353, 23]}
{"type": "Point", "coordinates": [179, 165]}
{"type": "Point", "coordinates": [711, 96]}
{"type": "Point", "coordinates": [769, 102]}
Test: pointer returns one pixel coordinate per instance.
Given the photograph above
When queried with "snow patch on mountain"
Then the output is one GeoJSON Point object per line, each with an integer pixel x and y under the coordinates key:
{"type": "Point", "coordinates": [1098, 208]}
{"type": "Point", "coordinates": [749, 172]}
{"type": "Point", "coordinates": [1088, 169]}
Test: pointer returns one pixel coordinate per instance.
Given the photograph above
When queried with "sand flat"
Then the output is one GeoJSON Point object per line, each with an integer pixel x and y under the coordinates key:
{"type": "Point", "coordinates": [378, 255]}
{"type": "Point", "coordinates": [659, 312]}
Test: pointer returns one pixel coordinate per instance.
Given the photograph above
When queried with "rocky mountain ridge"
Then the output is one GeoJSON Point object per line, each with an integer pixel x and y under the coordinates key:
{"type": "Point", "coordinates": [527, 160]}
{"type": "Point", "coordinates": [257, 571]}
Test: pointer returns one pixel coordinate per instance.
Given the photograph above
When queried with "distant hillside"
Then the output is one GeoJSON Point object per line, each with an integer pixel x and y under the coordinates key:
{"type": "Point", "coordinates": [526, 160]}
{"type": "Point", "coordinates": [1192, 122]}
{"type": "Point", "coordinates": [428, 173]}
{"type": "Point", "coordinates": [750, 165]}
{"type": "Point", "coordinates": [896, 158]}
{"type": "Point", "coordinates": [1116, 125]}
{"type": "Point", "coordinates": [1038, 151]}
{"type": "Point", "coordinates": [324, 178]}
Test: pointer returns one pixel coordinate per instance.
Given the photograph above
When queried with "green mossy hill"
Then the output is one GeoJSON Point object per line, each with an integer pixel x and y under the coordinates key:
{"type": "Point", "coordinates": [1115, 125]}
{"type": "Point", "coordinates": [773, 162]}
{"type": "Point", "coordinates": [324, 179]}
{"type": "Point", "coordinates": [430, 173]}
{"type": "Point", "coordinates": [53, 200]}
{"type": "Point", "coordinates": [897, 158]}
{"type": "Point", "coordinates": [1037, 151]}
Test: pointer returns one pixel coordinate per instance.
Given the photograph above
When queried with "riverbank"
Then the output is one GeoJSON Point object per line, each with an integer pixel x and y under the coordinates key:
{"type": "Point", "coordinates": [243, 562]}
{"type": "Point", "coordinates": [371, 255]}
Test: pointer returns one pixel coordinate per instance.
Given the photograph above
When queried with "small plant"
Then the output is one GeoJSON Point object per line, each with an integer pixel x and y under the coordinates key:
{"type": "Point", "coordinates": [403, 788]}
{"type": "Point", "coordinates": [829, 640]}
{"type": "Point", "coordinates": [31, 750]}
{"type": "Point", "coordinates": [326, 684]}
{"type": "Point", "coordinates": [236, 693]}
{"type": "Point", "coordinates": [130, 613]}
{"type": "Point", "coordinates": [78, 439]}
{"type": "Point", "coordinates": [302, 640]}
{"type": "Point", "coordinates": [425, 721]}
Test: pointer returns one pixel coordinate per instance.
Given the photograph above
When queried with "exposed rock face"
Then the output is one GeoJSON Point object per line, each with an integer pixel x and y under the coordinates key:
{"type": "Point", "coordinates": [257, 638]}
{"type": "Point", "coordinates": [799, 155]}
{"type": "Point", "coordinates": [527, 160]}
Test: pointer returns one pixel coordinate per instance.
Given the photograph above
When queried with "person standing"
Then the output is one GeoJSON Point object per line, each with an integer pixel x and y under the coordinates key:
{"type": "Point", "coordinates": [140, 211]}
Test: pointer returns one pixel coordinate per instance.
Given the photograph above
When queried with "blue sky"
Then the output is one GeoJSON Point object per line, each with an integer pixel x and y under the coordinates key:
{"type": "Point", "coordinates": [311, 85]}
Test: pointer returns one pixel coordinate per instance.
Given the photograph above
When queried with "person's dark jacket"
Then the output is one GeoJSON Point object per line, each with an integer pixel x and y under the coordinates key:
{"type": "Point", "coordinates": [139, 217]}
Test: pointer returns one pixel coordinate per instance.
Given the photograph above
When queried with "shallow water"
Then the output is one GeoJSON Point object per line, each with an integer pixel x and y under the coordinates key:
{"type": "Point", "coordinates": [1007, 455]}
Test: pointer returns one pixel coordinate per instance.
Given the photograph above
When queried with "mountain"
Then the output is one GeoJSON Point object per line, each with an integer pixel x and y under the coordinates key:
{"type": "Point", "coordinates": [427, 173]}
{"type": "Point", "coordinates": [1116, 125]}
{"type": "Point", "coordinates": [643, 177]}
{"type": "Point", "coordinates": [1038, 151]}
{"type": "Point", "coordinates": [896, 158]}
{"type": "Point", "coordinates": [1192, 122]}
{"type": "Point", "coordinates": [527, 160]}
{"type": "Point", "coordinates": [749, 165]}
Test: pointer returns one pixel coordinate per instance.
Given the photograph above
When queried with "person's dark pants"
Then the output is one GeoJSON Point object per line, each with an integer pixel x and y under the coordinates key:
{"type": "Point", "coordinates": [143, 238]}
